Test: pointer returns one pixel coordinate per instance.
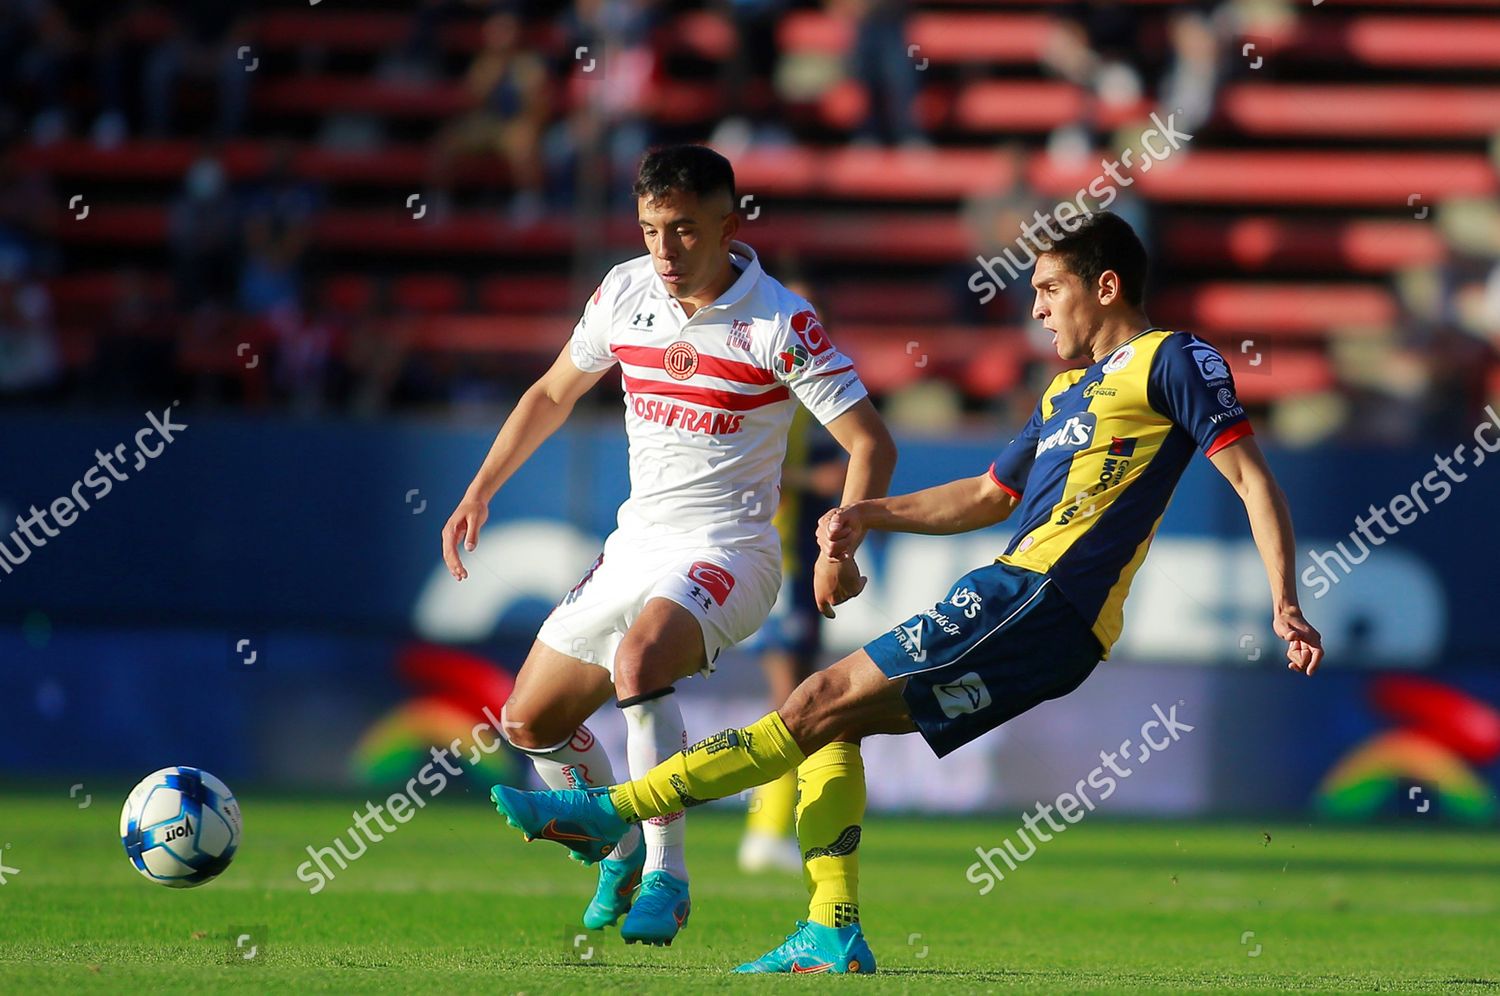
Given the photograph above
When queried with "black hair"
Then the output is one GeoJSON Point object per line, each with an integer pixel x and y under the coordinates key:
{"type": "Point", "coordinates": [1105, 241]}
{"type": "Point", "coordinates": [688, 169]}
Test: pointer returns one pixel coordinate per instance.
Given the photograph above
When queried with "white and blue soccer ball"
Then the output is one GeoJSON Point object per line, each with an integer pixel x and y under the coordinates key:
{"type": "Point", "coordinates": [180, 827]}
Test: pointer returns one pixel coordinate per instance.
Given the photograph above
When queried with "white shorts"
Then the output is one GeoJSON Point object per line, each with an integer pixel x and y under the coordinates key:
{"type": "Point", "coordinates": [729, 590]}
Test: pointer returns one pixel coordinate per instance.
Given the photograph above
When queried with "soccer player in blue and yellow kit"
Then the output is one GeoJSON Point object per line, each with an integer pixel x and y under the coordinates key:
{"type": "Point", "coordinates": [1088, 478]}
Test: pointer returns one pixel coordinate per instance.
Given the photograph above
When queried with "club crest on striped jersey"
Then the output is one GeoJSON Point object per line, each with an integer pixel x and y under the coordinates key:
{"type": "Point", "coordinates": [680, 360]}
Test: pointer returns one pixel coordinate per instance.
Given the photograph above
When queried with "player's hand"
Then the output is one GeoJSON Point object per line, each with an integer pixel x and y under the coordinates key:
{"type": "Point", "coordinates": [835, 582]}
{"type": "Point", "coordinates": [463, 527]}
{"type": "Point", "coordinates": [840, 531]}
{"type": "Point", "coordinates": [1304, 651]}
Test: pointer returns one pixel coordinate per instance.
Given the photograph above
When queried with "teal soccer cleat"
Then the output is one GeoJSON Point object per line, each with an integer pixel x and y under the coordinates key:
{"type": "Point", "coordinates": [659, 912]}
{"type": "Point", "coordinates": [618, 880]}
{"type": "Point", "coordinates": [814, 948]}
{"type": "Point", "coordinates": [582, 820]}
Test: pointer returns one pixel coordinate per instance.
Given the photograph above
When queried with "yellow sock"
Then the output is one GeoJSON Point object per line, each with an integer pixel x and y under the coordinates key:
{"type": "Point", "coordinates": [726, 763]}
{"type": "Point", "coordinates": [830, 808]}
{"type": "Point", "coordinates": [773, 807]}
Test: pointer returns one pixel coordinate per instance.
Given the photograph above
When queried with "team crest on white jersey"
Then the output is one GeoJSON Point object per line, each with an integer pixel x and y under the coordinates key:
{"type": "Point", "coordinates": [680, 360]}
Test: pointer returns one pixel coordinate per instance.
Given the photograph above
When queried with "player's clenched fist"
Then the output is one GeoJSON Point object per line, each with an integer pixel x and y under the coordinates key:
{"type": "Point", "coordinates": [463, 526]}
{"type": "Point", "coordinates": [1304, 651]}
{"type": "Point", "coordinates": [840, 531]}
{"type": "Point", "coordinates": [835, 582]}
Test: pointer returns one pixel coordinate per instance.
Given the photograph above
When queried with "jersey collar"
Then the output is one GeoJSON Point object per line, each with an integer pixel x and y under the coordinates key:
{"type": "Point", "coordinates": [1112, 352]}
{"type": "Point", "coordinates": [750, 272]}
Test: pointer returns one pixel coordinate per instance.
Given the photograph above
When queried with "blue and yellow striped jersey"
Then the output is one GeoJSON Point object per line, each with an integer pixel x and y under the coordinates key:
{"type": "Point", "coordinates": [1096, 464]}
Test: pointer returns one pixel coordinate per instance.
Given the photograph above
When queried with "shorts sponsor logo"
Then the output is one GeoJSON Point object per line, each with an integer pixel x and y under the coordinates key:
{"type": "Point", "coordinates": [1073, 434]}
{"type": "Point", "coordinates": [1119, 359]}
{"type": "Point", "coordinates": [1218, 417]}
{"type": "Point", "coordinates": [910, 638]}
{"type": "Point", "coordinates": [967, 694]}
{"type": "Point", "coordinates": [967, 599]}
{"type": "Point", "coordinates": [810, 331]}
{"type": "Point", "coordinates": [713, 579]}
{"type": "Point", "coordinates": [1211, 366]}
{"type": "Point", "coordinates": [945, 624]}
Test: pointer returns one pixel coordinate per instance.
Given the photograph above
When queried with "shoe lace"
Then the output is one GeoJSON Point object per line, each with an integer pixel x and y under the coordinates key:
{"type": "Point", "coordinates": [798, 940]}
{"type": "Point", "coordinates": [655, 898]}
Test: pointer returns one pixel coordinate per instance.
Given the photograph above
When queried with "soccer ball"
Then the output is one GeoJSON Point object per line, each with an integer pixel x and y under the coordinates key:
{"type": "Point", "coordinates": [180, 827]}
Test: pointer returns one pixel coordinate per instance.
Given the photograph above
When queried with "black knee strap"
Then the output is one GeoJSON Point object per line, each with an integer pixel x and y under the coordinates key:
{"type": "Point", "coordinates": [644, 697]}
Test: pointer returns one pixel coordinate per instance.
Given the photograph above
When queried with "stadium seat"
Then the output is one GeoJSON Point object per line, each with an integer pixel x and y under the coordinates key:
{"type": "Point", "coordinates": [1363, 111]}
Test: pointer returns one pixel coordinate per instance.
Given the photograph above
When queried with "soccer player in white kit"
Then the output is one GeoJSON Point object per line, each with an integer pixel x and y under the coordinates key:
{"type": "Point", "coordinates": [713, 354]}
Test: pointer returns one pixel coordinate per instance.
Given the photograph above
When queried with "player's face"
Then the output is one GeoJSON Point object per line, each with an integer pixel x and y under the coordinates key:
{"type": "Point", "coordinates": [688, 239]}
{"type": "Point", "coordinates": [1066, 308]}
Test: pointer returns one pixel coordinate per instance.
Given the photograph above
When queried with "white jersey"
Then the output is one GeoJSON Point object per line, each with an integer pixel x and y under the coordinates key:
{"type": "Point", "coordinates": [709, 399]}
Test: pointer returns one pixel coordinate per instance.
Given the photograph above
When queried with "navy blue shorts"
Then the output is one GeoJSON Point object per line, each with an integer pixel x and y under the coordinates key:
{"type": "Point", "coordinates": [1004, 640]}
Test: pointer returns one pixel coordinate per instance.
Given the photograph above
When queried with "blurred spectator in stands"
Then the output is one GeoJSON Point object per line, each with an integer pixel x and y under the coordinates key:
{"type": "Point", "coordinates": [202, 229]}
{"type": "Point", "coordinates": [30, 355]}
{"type": "Point", "coordinates": [203, 45]}
{"type": "Point", "coordinates": [28, 213]}
{"type": "Point", "coordinates": [77, 39]}
{"type": "Point", "coordinates": [886, 67]}
{"type": "Point", "coordinates": [1094, 45]}
{"type": "Point", "coordinates": [508, 85]}
{"type": "Point", "coordinates": [1196, 65]}
{"type": "Point", "coordinates": [134, 361]}
{"type": "Point", "coordinates": [279, 211]}
{"type": "Point", "coordinates": [995, 220]}
{"type": "Point", "coordinates": [610, 89]}
{"type": "Point", "coordinates": [423, 51]}
{"type": "Point", "coordinates": [306, 341]}
{"type": "Point", "coordinates": [747, 77]}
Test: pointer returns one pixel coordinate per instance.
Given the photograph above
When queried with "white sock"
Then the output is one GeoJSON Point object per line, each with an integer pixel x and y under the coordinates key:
{"type": "Point", "coordinates": [654, 731]}
{"type": "Point", "coordinates": [580, 762]}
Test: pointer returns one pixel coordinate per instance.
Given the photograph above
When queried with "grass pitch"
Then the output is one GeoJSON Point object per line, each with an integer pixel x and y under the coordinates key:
{"type": "Point", "coordinates": [454, 901]}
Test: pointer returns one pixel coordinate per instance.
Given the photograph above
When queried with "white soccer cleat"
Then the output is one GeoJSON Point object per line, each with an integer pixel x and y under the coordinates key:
{"type": "Point", "coordinates": [763, 852]}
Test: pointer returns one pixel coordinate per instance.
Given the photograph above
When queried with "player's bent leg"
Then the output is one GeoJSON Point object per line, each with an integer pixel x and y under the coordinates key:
{"type": "Point", "coordinates": [553, 693]}
{"type": "Point", "coordinates": [663, 645]}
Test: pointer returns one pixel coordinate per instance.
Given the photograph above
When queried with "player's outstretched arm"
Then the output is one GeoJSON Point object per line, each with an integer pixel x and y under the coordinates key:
{"type": "Point", "coordinates": [1244, 467]}
{"type": "Point", "coordinates": [872, 461]}
{"type": "Point", "coordinates": [956, 507]}
{"type": "Point", "coordinates": [541, 411]}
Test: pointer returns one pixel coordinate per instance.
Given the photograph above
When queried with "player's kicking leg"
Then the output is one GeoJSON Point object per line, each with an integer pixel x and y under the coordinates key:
{"type": "Point", "coordinates": [829, 713]}
{"type": "Point", "coordinates": [544, 719]}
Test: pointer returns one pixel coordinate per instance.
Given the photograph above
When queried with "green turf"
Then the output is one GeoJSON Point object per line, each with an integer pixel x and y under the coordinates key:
{"type": "Point", "coordinates": [453, 901]}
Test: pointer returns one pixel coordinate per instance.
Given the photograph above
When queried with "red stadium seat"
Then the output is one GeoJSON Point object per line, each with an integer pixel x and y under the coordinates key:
{"type": "Point", "coordinates": [1363, 111]}
{"type": "Point", "coordinates": [530, 295]}
{"type": "Point", "coordinates": [1262, 243]}
{"type": "Point", "coordinates": [427, 293]}
{"type": "Point", "coordinates": [1278, 309]}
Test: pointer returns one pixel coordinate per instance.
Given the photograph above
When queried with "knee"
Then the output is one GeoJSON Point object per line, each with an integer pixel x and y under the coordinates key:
{"type": "Point", "coordinates": [639, 668]}
{"type": "Point", "coordinates": [529, 729]}
{"type": "Point", "coordinates": [812, 712]}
